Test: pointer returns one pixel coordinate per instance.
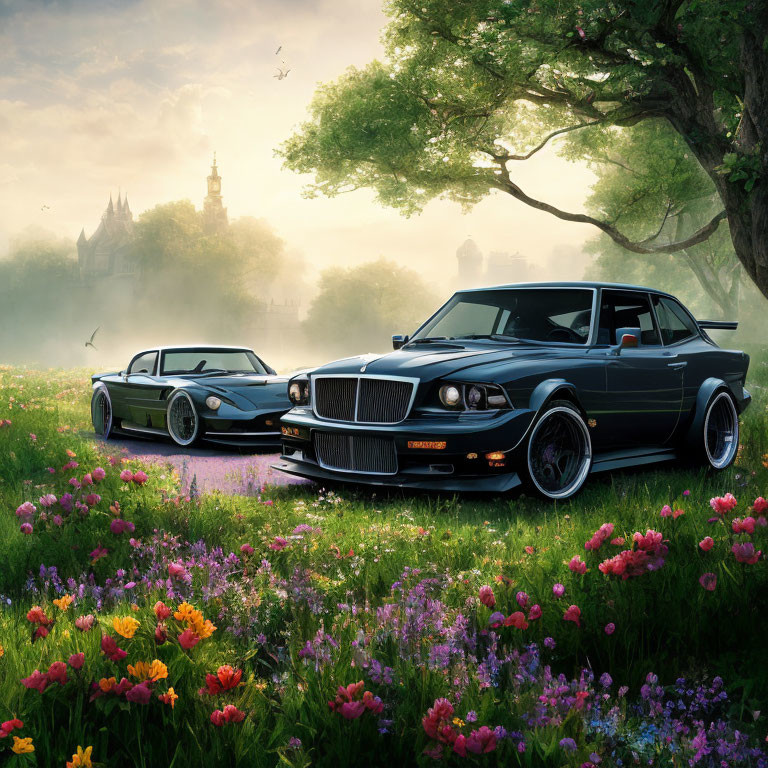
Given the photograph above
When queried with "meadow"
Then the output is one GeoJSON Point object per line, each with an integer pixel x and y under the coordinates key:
{"type": "Point", "coordinates": [145, 624]}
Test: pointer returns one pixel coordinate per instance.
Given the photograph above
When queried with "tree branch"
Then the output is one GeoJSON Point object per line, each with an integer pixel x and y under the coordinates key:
{"type": "Point", "coordinates": [506, 156]}
{"type": "Point", "coordinates": [621, 239]}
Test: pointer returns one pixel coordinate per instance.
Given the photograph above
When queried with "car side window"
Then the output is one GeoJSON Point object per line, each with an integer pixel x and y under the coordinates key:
{"type": "Point", "coordinates": [675, 325]}
{"type": "Point", "coordinates": [144, 364]}
{"type": "Point", "coordinates": [620, 311]}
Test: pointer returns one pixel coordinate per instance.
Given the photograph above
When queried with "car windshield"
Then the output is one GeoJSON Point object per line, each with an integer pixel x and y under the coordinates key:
{"type": "Point", "coordinates": [514, 314]}
{"type": "Point", "coordinates": [204, 361]}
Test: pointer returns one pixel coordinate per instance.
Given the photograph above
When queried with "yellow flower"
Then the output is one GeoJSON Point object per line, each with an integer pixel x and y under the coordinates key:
{"type": "Point", "coordinates": [183, 612]}
{"type": "Point", "coordinates": [22, 746]}
{"type": "Point", "coordinates": [145, 671]}
{"type": "Point", "coordinates": [125, 626]}
{"type": "Point", "coordinates": [81, 758]}
{"type": "Point", "coordinates": [194, 620]}
{"type": "Point", "coordinates": [169, 698]}
{"type": "Point", "coordinates": [2, 651]}
{"type": "Point", "coordinates": [457, 721]}
{"type": "Point", "coordinates": [63, 602]}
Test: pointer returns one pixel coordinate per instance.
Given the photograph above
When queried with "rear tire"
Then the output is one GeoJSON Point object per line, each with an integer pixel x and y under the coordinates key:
{"type": "Point", "coordinates": [182, 420]}
{"type": "Point", "coordinates": [101, 411]}
{"type": "Point", "coordinates": [558, 454]}
{"type": "Point", "coordinates": [719, 439]}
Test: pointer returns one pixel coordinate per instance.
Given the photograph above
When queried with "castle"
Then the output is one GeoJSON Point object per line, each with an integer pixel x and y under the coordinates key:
{"type": "Point", "coordinates": [110, 250]}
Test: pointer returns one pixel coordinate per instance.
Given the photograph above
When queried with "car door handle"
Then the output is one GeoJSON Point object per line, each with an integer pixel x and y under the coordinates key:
{"type": "Point", "coordinates": [676, 366]}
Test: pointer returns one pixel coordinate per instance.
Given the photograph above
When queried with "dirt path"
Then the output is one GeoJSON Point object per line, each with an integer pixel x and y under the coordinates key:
{"type": "Point", "coordinates": [215, 468]}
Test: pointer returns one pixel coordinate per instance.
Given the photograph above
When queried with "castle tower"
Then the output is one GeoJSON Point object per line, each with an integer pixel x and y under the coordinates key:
{"type": "Point", "coordinates": [214, 213]}
{"type": "Point", "coordinates": [470, 264]}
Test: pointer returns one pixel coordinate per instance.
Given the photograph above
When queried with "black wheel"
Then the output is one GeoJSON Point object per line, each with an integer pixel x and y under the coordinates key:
{"type": "Point", "coordinates": [720, 435]}
{"type": "Point", "coordinates": [101, 411]}
{"type": "Point", "coordinates": [558, 455]}
{"type": "Point", "coordinates": [182, 419]}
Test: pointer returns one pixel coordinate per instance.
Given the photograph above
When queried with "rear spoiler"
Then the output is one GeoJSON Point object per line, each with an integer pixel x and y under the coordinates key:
{"type": "Point", "coordinates": [718, 325]}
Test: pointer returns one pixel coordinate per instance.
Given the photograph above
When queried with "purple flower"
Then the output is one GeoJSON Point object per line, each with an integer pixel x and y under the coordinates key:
{"type": "Point", "coordinates": [558, 590]}
{"type": "Point", "coordinates": [568, 744]}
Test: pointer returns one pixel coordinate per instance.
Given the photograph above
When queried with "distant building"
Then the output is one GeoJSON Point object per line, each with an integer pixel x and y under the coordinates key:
{"type": "Point", "coordinates": [110, 250]}
{"type": "Point", "coordinates": [215, 218]}
{"type": "Point", "coordinates": [470, 264]}
{"type": "Point", "coordinates": [500, 268]}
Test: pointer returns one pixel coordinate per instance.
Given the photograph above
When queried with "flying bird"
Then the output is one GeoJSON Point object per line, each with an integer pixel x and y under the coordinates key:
{"type": "Point", "coordinates": [280, 48]}
{"type": "Point", "coordinates": [45, 207]}
{"type": "Point", "coordinates": [90, 343]}
{"type": "Point", "coordinates": [281, 73]}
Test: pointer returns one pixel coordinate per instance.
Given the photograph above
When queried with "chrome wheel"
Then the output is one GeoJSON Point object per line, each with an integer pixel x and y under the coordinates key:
{"type": "Point", "coordinates": [101, 411]}
{"type": "Point", "coordinates": [559, 453]}
{"type": "Point", "coordinates": [182, 418]}
{"type": "Point", "coordinates": [721, 431]}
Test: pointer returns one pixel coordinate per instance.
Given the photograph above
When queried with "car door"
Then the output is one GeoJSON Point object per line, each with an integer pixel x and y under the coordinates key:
{"type": "Point", "coordinates": [138, 391]}
{"type": "Point", "coordinates": [644, 384]}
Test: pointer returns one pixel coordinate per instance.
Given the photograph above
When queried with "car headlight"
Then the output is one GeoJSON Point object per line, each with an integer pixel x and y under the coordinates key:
{"type": "Point", "coordinates": [213, 402]}
{"type": "Point", "coordinates": [298, 390]}
{"type": "Point", "coordinates": [473, 397]}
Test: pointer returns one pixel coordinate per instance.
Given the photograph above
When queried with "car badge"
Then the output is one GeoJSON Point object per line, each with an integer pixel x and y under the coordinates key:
{"type": "Point", "coordinates": [592, 422]}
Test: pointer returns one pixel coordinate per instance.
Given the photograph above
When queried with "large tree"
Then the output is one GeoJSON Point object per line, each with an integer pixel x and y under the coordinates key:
{"type": "Point", "coordinates": [471, 87]}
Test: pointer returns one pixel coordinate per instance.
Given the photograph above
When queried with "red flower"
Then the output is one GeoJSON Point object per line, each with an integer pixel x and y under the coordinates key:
{"type": "Point", "coordinates": [517, 620]}
{"type": "Point", "coordinates": [707, 543]}
{"type": "Point", "coordinates": [577, 566]}
{"type": "Point", "coordinates": [573, 613]}
{"type": "Point", "coordinates": [139, 694]}
{"type": "Point", "coordinates": [35, 615]}
{"type": "Point", "coordinates": [486, 596]}
{"type": "Point", "coordinates": [162, 611]}
{"type": "Point", "coordinates": [122, 687]}
{"type": "Point", "coordinates": [111, 650]}
{"type": "Point", "coordinates": [230, 714]}
{"type": "Point", "coordinates": [188, 639]}
{"type": "Point", "coordinates": [723, 504]}
{"type": "Point", "coordinates": [438, 716]}
{"type": "Point", "coordinates": [747, 525]}
{"type": "Point", "coordinates": [57, 673]}
{"type": "Point", "coordinates": [37, 681]}
{"type": "Point", "coordinates": [76, 660]}
{"type": "Point", "coordinates": [41, 631]}
{"type": "Point", "coordinates": [534, 612]}
{"type": "Point", "coordinates": [760, 505]}
{"type": "Point", "coordinates": [745, 553]}
{"type": "Point", "coordinates": [10, 725]}
{"type": "Point", "coordinates": [708, 581]}
{"type": "Point", "coordinates": [161, 633]}
{"type": "Point", "coordinates": [225, 679]}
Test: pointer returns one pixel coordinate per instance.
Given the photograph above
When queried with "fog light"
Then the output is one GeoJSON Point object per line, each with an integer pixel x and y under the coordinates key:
{"type": "Point", "coordinates": [471, 455]}
{"type": "Point", "coordinates": [431, 445]}
{"type": "Point", "coordinates": [495, 456]}
{"type": "Point", "coordinates": [213, 402]}
{"type": "Point", "coordinates": [269, 422]}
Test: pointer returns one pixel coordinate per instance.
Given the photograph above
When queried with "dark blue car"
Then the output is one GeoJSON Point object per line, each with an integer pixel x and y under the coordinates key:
{"type": "Point", "coordinates": [533, 384]}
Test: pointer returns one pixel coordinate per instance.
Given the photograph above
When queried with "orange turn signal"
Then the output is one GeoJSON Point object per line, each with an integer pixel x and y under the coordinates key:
{"type": "Point", "coordinates": [290, 431]}
{"type": "Point", "coordinates": [432, 445]}
{"type": "Point", "coordinates": [495, 456]}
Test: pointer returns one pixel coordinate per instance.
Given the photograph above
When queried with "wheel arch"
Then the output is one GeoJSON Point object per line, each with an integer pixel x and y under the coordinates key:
{"type": "Point", "coordinates": [554, 389]}
{"type": "Point", "coordinates": [706, 391]}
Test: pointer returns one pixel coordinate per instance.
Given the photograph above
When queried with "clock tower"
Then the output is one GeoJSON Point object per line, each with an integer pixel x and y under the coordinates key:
{"type": "Point", "coordinates": [214, 213]}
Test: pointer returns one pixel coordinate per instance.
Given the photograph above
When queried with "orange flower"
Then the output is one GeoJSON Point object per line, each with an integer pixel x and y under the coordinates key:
{"type": "Point", "coordinates": [194, 620]}
{"type": "Point", "coordinates": [169, 698]}
{"type": "Point", "coordinates": [107, 684]}
{"type": "Point", "coordinates": [70, 453]}
{"type": "Point", "coordinates": [22, 746]}
{"type": "Point", "coordinates": [63, 602]}
{"type": "Point", "coordinates": [81, 758]}
{"type": "Point", "coordinates": [125, 626]}
{"type": "Point", "coordinates": [152, 672]}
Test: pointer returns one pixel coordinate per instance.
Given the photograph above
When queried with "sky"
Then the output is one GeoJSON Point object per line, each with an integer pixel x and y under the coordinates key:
{"type": "Point", "coordinates": [98, 96]}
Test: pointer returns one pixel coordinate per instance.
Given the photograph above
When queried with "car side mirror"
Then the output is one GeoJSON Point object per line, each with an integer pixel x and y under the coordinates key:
{"type": "Point", "coordinates": [398, 341]}
{"type": "Point", "coordinates": [628, 341]}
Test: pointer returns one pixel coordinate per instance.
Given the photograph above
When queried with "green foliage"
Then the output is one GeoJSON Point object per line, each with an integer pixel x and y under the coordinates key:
{"type": "Point", "coordinates": [742, 168]}
{"type": "Point", "coordinates": [371, 301]}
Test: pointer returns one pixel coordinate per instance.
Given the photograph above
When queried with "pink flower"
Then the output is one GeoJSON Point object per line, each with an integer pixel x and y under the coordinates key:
{"type": "Point", "coordinates": [522, 599]}
{"type": "Point", "coordinates": [747, 525]}
{"type": "Point", "coordinates": [85, 623]}
{"type": "Point", "coordinates": [230, 714]}
{"type": "Point", "coordinates": [610, 628]}
{"type": "Point", "coordinates": [98, 474]}
{"type": "Point", "coordinates": [707, 543]}
{"type": "Point", "coordinates": [437, 719]}
{"type": "Point", "coordinates": [126, 475]}
{"type": "Point", "coordinates": [745, 553]}
{"type": "Point", "coordinates": [760, 505]}
{"type": "Point", "coordinates": [110, 649]}
{"type": "Point", "coordinates": [486, 596]}
{"type": "Point", "coordinates": [577, 566]}
{"type": "Point", "coordinates": [723, 504]}
{"type": "Point", "coordinates": [599, 537]}
{"type": "Point", "coordinates": [677, 513]}
{"type": "Point", "coordinates": [666, 511]}
{"type": "Point", "coordinates": [708, 581]}
{"type": "Point", "coordinates": [279, 544]}
{"type": "Point", "coordinates": [33, 437]}
{"type": "Point", "coordinates": [36, 681]}
{"type": "Point", "coordinates": [27, 509]}
{"type": "Point", "coordinates": [686, 492]}
{"type": "Point", "coordinates": [534, 612]}
{"type": "Point", "coordinates": [619, 541]}
{"type": "Point", "coordinates": [373, 703]}
{"type": "Point", "coordinates": [48, 500]}
{"type": "Point", "coordinates": [76, 660]}
{"type": "Point", "coordinates": [26, 528]}
{"type": "Point", "coordinates": [481, 741]}
{"type": "Point", "coordinates": [247, 549]}
{"type": "Point", "coordinates": [58, 520]}
{"type": "Point", "coordinates": [176, 570]}
{"type": "Point", "coordinates": [98, 553]}
{"type": "Point", "coordinates": [351, 710]}
{"type": "Point", "coordinates": [92, 499]}
{"type": "Point", "coordinates": [139, 694]}
{"type": "Point", "coordinates": [517, 620]}
{"type": "Point", "coordinates": [140, 477]}
{"type": "Point", "coordinates": [87, 479]}
{"type": "Point", "coordinates": [74, 482]}
{"type": "Point", "coordinates": [558, 590]}
{"type": "Point", "coordinates": [10, 725]}
{"type": "Point", "coordinates": [573, 613]}
{"type": "Point", "coordinates": [57, 673]}
{"type": "Point", "coordinates": [188, 639]}
{"type": "Point", "coordinates": [529, 550]}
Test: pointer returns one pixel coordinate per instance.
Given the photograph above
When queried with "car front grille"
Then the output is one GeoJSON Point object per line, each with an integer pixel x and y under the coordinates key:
{"type": "Point", "coordinates": [362, 399]}
{"type": "Point", "coordinates": [356, 453]}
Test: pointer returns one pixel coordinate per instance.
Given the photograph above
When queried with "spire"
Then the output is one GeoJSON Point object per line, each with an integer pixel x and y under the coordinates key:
{"type": "Point", "coordinates": [126, 208]}
{"type": "Point", "coordinates": [119, 201]}
{"type": "Point", "coordinates": [213, 167]}
{"type": "Point", "coordinates": [110, 207]}
{"type": "Point", "coordinates": [82, 239]}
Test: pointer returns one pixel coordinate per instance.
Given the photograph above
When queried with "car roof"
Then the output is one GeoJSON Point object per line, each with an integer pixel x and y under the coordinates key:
{"type": "Point", "coordinates": [183, 347]}
{"type": "Point", "coordinates": [569, 284]}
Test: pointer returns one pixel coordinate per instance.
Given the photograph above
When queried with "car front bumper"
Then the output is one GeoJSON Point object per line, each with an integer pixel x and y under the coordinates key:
{"type": "Point", "coordinates": [245, 428]}
{"type": "Point", "coordinates": [461, 465]}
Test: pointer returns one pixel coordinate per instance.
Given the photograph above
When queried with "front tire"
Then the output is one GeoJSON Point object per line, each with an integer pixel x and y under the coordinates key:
{"type": "Point", "coordinates": [181, 418]}
{"type": "Point", "coordinates": [101, 411]}
{"type": "Point", "coordinates": [720, 433]}
{"type": "Point", "coordinates": [558, 454]}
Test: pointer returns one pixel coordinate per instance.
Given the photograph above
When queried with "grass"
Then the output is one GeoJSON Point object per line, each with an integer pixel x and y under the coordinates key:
{"type": "Point", "coordinates": [276, 608]}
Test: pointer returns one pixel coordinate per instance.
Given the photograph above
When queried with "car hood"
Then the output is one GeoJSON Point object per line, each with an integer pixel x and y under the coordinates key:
{"type": "Point", "coordinates": [254, 390]}
{"type": "Point", "coordinates": [434, 361]}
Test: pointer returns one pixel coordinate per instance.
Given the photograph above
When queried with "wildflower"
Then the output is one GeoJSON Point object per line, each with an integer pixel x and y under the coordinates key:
{"type": "Point", "coordinates": [747, 525]}
{"type": "Point", "coordinates": [27, 509]}
{"type": "Point", "coordinates": [176, 570]}
{"type": "Point", "coordinates": [487, 598]}
{"type": "Point", "coordinates": [708, 581]}
{"type": "Point", "coordinates": [707, 543]}
{"type": "Point", "coordinates": [106, 684]}
{"type": "Point", "coordinates": [148, 672]}
{"type": "Point", "coordinates": [549, 642]}
{"type": "Point", "coordinates": [606, 680]}
{"type": "Point", "coordinates": [760, 505]}
{"type": "Point", "coordinates": [139, 694]}
{"type": "Point", "coordinates": [577, 566]}
{"type": "Point", "coordinates": [610, 628]}
{"type": "Point", "coordinates": [619, 541]}
{"type": "Point", "coordinates": [162, 611]}
{"type": "Point", "coordinates": [81, 758]}
{"type": "Point", "coordinates": [478, 742]}
{"type": "Point", "coordinates": [247, 549]}
{"type": "Point", "coordinates": [85, 623]}
{"type": "Point", "coordinates": [118, 526]}
{"type": "Point", "coordinates": [125, 626]}
{"type": "Point", "coordinates": [22, 746]}
{"type": "Point", "coordinates": [558, 590]}
{"type": "Point", "coordinates": [36, 681]}
{"type": "Point", "coordinates": [230, 714]}
{"type": "Point", "coordinates": [279, 544]}
{"type": "Point", "coordinates": [140, 477]}
{"type": "Point", "coordinates": [35, 615]}
{"type": "Point", "coordinates": [745, 553]}
{"type": "Point", "coordinates": [40, 632]}
{"type": "Point", "coordinates": [529, 550]}
{"type": "Point", "coordinates": [666, 511]}
{"type": "Point", "coordinates": [723, 504]}
{"type": "Point", "coordinates": [599, 537]}
{"type": "Point", "coordinates": [76, 660]}
{"type": "Point", "coordinates": [522, 599]}
{"type": "Point", "coordinates": [48, 500]}
{"type": "Point", "coordinates": [161, 633]}
{"type": "Point", "coordinates": [63, 602]}
{"type": "Point", "coordinates": [126, 475]}
{"type": "Point", "coordinates": [225, 679]}
{"type": "Point", "coordinates": [57, 673]}
{"type": "Point", "coordinates": [9, 726]}
{"type": "Point", "coordinates": [517, 620]}
{"type": "Point", "coordinates": [534, 612]}
{"type": "Point", "coordinates": [97, 554]}
{"type": "Point", "coordinates": [568, 744]}
{"type": "Point", "coordinates": [169, 698]}
{"type": "Point", "coordinates": [436, 719]}
{"type": "Point", "coordinates": [496, 619]}
{"type": "Point", "coordinates": [573, 613]}
{"type": "Point", "coordinates": [26, 528]}
{"type": "Point", "coordinates": [110, 649]}
{"type": "Point", "coordinates": [98, 474]}
{"type": "Point", "coordinates": [188, 639]}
